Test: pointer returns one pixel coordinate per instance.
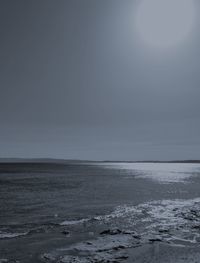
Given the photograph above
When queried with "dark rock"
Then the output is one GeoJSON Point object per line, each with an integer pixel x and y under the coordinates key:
{"type": "Point", "coordinates": [190, 218]}
{"type": "Point", "coordinates": [155, 240]}
{"type": "Point", "coordinates": [194, 212]}
{"type": "Point", "coordinates": [136, 236]}
{"type": "Point", "coordinates": [119, 247]}
{"type": "Point", "coordinates": [122, 257]}
{"type": "Point", "coordinates": [66, 232]}
{"type": "Point", "coordinates": [196, 227]}
{"type": "Point", "coordinates": [111, 232]}
{"type": "Point", "coordinates": [48, 256]}
{"type": "Point", "coordinates": [129, 232]}
{"type": "Point", "coordinates": [132, 233]}
{"type": "Point", "coordinates": [163, 230]}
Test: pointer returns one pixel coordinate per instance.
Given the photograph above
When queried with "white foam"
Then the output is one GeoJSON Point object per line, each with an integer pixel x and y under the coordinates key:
{"type": "Point", "coordinates": [170, 221]}
{"type": "Point", "coordinates": [165, 212]}
{"type": "Point", "coordinates": [120, 211]}
{"type": "Point", "coordinates": [74, 222]}
{"type": "Point", "coordinates": [174, 216]}
{"type": "Point", "coordinates": [11, 235]}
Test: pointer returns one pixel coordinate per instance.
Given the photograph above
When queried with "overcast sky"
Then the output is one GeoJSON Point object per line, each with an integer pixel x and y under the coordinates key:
{"type": "Point", "coordinates": [76, 82]}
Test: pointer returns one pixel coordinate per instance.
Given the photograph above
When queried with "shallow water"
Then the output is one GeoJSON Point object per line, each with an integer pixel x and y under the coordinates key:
{"type": "Point", "coordinates": [51, 208]}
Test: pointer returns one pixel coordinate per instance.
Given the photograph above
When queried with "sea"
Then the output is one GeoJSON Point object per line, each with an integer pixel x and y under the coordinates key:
{"type": "Point", "coordinates": [75, 211]}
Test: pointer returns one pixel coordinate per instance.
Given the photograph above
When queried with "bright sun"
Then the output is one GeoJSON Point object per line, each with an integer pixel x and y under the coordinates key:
{"type": "Point", "coordinates": [164, 23]}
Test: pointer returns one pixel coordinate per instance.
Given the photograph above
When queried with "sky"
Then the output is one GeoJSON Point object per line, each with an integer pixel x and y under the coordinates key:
{"type": "Point", "coordinates": [77, 82]}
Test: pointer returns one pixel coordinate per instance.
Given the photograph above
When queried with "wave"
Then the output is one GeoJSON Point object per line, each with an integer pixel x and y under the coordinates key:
{"type": "Point", "coordinates": [120, 211]}
{"type": "Point", "coordinates": [172, 220]}
{"type": "Point", "coordinates": [13, 231]}
{"type": "Point", "coordinates": [4, 235]}
{"type": "Point", "coordinates": [74, 222]}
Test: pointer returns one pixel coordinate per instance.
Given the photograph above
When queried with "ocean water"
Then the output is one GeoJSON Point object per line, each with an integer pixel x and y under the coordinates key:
{"type": "Point", "coordinates": [49, 210]}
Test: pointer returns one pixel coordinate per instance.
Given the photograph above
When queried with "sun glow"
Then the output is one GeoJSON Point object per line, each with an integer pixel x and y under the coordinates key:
{"type": "Point", "coordinates": [165, 23]}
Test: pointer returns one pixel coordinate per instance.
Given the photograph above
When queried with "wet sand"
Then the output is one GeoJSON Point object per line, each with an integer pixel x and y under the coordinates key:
{"type": "Point", "coordinates": [163, 253]}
